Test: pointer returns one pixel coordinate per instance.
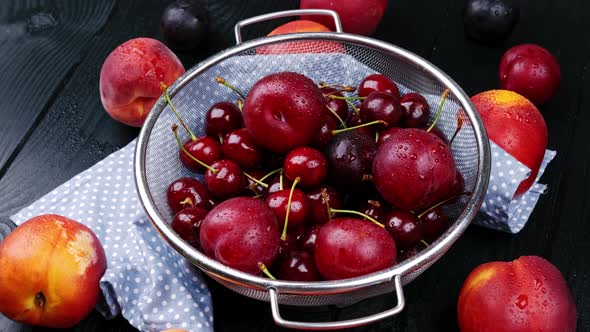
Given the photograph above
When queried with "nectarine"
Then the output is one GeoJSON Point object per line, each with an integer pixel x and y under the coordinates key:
{"type": "Point", "coordinates": [517, 126]}
{"type": "Point", "coordinates": [525, 295]}
{"type": "Point", "coordinates": [131, 75]}
{"type": "Point", "coordinates": [50, 269]}
{"type": "Point", "coordinates": [295, 47]}
{"type": "Point", "coordinates": [360, 17]}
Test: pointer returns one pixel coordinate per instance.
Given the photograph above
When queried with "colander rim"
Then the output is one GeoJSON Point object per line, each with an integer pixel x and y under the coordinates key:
{"type": "Point", "coordinates": [433, 252]}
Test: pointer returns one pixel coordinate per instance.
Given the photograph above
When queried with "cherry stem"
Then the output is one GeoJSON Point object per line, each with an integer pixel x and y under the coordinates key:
{"type": "Point", "coordinates": [264, 270]}
{"type": "Point", "coordinates": [260, 183]}
{"type": "Point", "coordinates": [327, 201]}
{"type": "Point", "coordinates": [164, 89]}
{"type": "Point", "coordinates": [347, 98]}
{"type": "Point", "coordinates": [220, 139]}
{"type": "Point", "coordinates": [222, 81]}
{"type": "Point", "coordinates": [353, 106]}
{"type": "Point", "coordinates": [338, 131]}
{"type": "Point", "coordinates": [175, 131]}
{"type": "Point", "coordinates": [336, 115]}
{"type": "Point", "coordinates": [240, 104]}
{"type": "Point", "coordinates": [376, 136]}
{"type": "Point", "coordinates": [271, 174]}
{"type": "Point", "coordinates": [187, 201]}
{"type": "Point", "coordinates": [281, 180]}
{"type": "Point", "coordinates": [425, 243]}
{"type": "Point", "coordinates": [284, 235]}
{"type": "Point", "coordinates": [345, 88]}
{"type": "Point", "coordinates": [359, 214]}
{"type": "Point", "coordinates": [440, 107]}
{"type": "Point", "coordinates": [367, 177]}
{"type": "Point", "coordinates": [442, 203]}
{"type": "Point", "coordinates": [459, 126]}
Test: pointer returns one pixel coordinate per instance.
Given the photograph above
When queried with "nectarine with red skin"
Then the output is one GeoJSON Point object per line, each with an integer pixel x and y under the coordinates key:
{"type": "Point", "coordinates": [517, 126]}
{"type": "Point", "coordinates": [360, 17]}
{"type": "Point", "coordinates": [50, 268]}
{"type": "Point", "coordinates": [130, 78]}
{"type": "Point", "coordinates": [306, 46]}
{"type": "Point", "coordinates": [525, 295]}
{"type": "Point", "coordinates": [530, 70]}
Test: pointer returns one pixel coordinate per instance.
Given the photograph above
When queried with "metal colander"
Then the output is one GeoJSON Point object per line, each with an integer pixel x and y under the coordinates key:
{"type": "Point", "coordinates": [332, 57]}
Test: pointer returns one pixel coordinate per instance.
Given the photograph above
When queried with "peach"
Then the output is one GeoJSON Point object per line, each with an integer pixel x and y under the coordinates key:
{"type": "Point", "coordinates": [300, 26]}
{"type": "Point", "coordinates": [517, 126]}
{"type": "Point", "coordinates": [360, 17]}
{"type": "Point", "coordinates": [525, 295]}
{"type": "Point", "coordinates": [50, 269]}
{"type": "Point", "coordinates": [130, 78]}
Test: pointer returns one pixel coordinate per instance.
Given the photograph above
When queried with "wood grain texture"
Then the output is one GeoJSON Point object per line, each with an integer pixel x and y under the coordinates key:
{"type": "Point", "coordinates": [72, 133]}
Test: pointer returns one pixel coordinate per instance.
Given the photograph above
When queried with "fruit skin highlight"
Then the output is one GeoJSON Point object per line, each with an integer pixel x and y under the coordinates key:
{"type": "Point", "coordinates": [525, 295]}
{"type": "Point", "coordinates": [50, 268]}
{"type": "Point", "coordinates": [130, 78]}
{"type": "Point", "coordinates": [517, 126]}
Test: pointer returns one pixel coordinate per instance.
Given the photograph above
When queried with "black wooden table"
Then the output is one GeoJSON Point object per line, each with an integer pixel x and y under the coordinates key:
{"type": "Point", "coordinates": [52, 126]}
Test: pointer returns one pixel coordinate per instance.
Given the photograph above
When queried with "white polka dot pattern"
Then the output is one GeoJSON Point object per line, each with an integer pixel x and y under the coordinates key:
{"type": "Point", "coordinates": [498, 210]}
{"type": "Point", "coordinates": [147, 281]}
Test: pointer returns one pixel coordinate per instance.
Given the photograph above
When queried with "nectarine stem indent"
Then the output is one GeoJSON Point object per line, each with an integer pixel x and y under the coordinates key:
{"type": "Point", "coordinates": [40, 299]}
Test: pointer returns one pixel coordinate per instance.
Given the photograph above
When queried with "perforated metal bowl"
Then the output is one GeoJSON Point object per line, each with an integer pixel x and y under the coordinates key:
{"type": "Point", "coordinates": [157, 164]}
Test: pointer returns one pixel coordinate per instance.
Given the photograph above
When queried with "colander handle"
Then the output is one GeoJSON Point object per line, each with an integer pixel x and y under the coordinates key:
{"type": "Point", "coordinates": [287, 13]}
{"type": "Point", "coordinates": [274, 305]}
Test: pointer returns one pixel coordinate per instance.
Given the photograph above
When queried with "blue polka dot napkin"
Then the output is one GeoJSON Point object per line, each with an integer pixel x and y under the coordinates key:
{"type": "Point", "coordinates": [146, 281]}
{"type": "Point", "coordinates": [499, 209]}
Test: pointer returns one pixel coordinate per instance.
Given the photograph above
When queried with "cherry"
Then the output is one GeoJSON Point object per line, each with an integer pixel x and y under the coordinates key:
{"type": "Point", "coordinates": [187, 223]}
{"type": "Point", "coordinates": [298, 266]}
{"type": "Point", "coordinates": [299, 208]}
{"type": "Point", "coordinates": [433, 223]}
{"type": "Point", "coordinates": [355, 120]}
{"type": "Point", "coordinates": [240, 147]}
{"type": "Point", "coordinates": [321, 200]}
{"type": "Point", "coordinates": [404, 228]}
{"type": "Point", "coordinates": [275, 184]}
{"type": "Point", "coordinates": [205, 149]}
{"type": "Point", "coordinates": [324, 135]}
{"type": "Point", "coordinates": [307, 240]}
{"type": "Point", "coordinates": [350, 156]}
{"type": "Point", "coordinates": [222, 118]}
{"type": "Point", "coordinates": [377, 82]}
{"type": "Point", "coordinates": [349, 247]}
{"type": "Point", "coordinates": [338, 107]}
{"type": "Point", "coordinates": [283, 111]}
{"type": "Point", "coordinates": [373, 209]}
{"type": "Point", "coordinates": [386, 134]}
{"type": "Point", "coordinates": [240, 233]}
{"type": "Point", "coordinates": [308, 164]}
{"type": "Point", "coordinates": [288, 245]}
{"type": "Point", "coordinates": [225, 179]}
{"type": "Point", "coordinates": [416, 109]}
{"type": "Point", "coordinates": [382, 106]}
{"type": "Point", "coordinates": [187, 192]}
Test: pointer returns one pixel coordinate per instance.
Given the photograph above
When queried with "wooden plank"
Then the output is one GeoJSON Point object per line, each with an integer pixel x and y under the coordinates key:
{"type": "Point", "coordinates": [41, 44]}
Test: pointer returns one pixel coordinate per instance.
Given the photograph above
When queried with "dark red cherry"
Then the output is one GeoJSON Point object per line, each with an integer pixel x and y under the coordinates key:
{"type": "Point", "coordinates": [433, 223]}
{"type": "Point", "coordinates": [298, 266]}
{"type": "Point", "coordinates": [355, 120]}
{"type": "Point", "coordinates": [350, 156]}
{"type": "Point", "coordinates": [228, 180]}
{"type": "Point", "coordinates": [186, 192]}
{"type": "Point", "coordinates": [382, 106]}
{"type": "Point", "coordinates": [404, 228]}
{"type": "Point", "coordinates": [288, 245]}
{"type": "Point", "coordinates": [222, 118]}
{"type": "Point", "coordinates": [240, 147]}
{"type": "Point", "coordinates": [377, 82]}
{"type": "Point", "coordinates": [386, 134]}
{"type": "Point", "coordinates": [416, 109]}
{"type": "Point", "coordinates": [372, 208]}
{"type": "Point", "coordinates": [307, 164]}
{"type": "Point", "coordinates": [325, 133]}
{"type": "Point", "coordinates": [278, 201]}
{"type": "Point", "coordinates": [339, 106]}
{"type": "Point", "coordinates": [205, 149]}
{"type": "Point", "coordinates": [188, 222]}
{"type": "Point", "coordinates": [319, 200]}
{"type": "Point", "coordinates": [410, 252]}
{"type": "Point", "coordinates": [275, 184]}
{"type": "Point", "coordinates": [307, 240]}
